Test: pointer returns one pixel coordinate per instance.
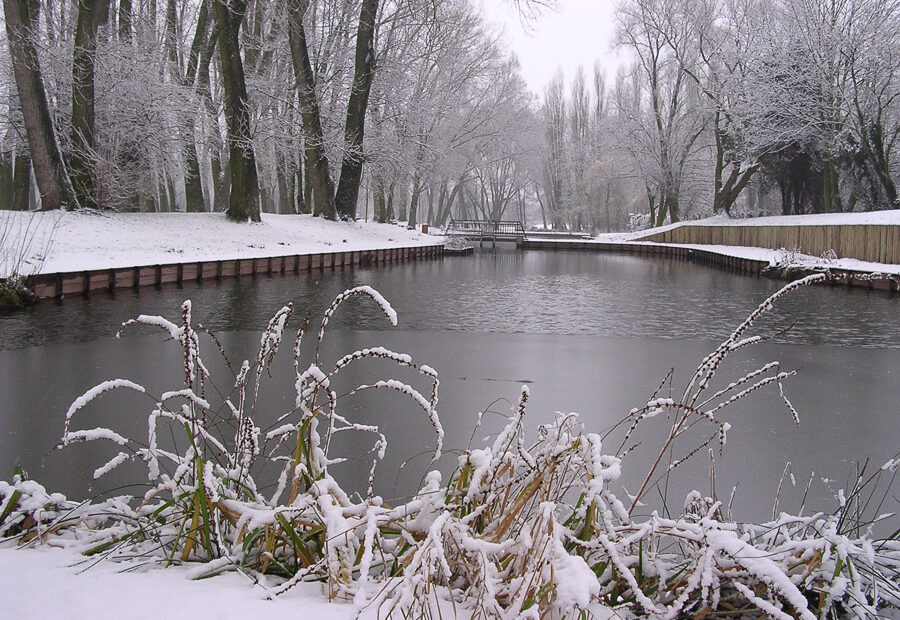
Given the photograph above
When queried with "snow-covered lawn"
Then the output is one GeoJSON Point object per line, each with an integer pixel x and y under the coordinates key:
{"type": "Point", "coordinates": [44, 583]}
{"type": "Point", "coordinates": [83, 240]}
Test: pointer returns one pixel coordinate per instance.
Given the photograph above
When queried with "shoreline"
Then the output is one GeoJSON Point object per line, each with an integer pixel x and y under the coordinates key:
{"type": "Point", "coordinates": [79, 252]}
{"type": "Point", "coordinates": [58, 285]}
{"type": "Point", "coordinates": [740, 260]}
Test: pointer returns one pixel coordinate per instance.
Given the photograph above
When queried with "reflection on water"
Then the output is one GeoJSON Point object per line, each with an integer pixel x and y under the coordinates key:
{"type": "Point", "coordinates": [503, 291]}
{"type": "Point", "coordinates": [589, 333]}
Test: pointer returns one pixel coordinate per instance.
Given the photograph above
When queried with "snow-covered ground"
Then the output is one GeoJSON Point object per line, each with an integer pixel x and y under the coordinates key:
{"type": "Point", "coordinates": [773, 257]}
{"type": "Point", "coordinates": [45, 582]}
{"type": "Point", "coordinates": [83, 240]}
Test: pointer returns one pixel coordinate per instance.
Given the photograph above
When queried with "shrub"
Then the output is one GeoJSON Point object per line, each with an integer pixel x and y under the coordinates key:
{"type": "Point", "coordinates": [24, 245]}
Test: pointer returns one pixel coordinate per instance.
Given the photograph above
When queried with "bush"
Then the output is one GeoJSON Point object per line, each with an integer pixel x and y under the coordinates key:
{"type": "Point", "coordinates": [24, 245]}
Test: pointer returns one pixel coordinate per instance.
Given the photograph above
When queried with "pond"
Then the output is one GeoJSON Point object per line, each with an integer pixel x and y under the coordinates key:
{"type": "Point", "coordinates": [588, 333]}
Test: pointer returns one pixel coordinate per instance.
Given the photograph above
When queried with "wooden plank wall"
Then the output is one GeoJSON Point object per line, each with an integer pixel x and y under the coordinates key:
{"type": "Point", "coordinates": [877, 243]}
{"type": "Point", "coordinates": [734, 264]}
{"type": "Point", "coordinates": [48, 285]}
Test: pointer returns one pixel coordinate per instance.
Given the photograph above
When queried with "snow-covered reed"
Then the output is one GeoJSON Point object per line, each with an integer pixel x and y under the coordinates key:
{"type": "Point", "coordinates": [523, 527]}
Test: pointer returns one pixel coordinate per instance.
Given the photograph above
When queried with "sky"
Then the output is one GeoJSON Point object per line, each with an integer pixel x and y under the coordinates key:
{"type": "Point", "coordinates": [579, 32]}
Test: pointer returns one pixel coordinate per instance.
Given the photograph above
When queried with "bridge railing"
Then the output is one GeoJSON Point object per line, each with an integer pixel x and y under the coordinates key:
{"type": "Point", "coordinates": [486, 228]}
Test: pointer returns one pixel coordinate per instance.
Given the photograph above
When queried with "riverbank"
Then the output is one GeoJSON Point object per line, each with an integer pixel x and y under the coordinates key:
{"type": "Point", "coordinates": [71, 241]}
{"type": "Point", "coordinates": [775, 261]}
{"type": "Point", "coordinates": [64, 253]}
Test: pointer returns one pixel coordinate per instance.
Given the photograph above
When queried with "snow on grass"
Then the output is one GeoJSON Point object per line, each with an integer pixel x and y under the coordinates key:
{"type": "Point", "coordinates": [54, 583]}
{"type": "Point", "coordinates": [85, 240]}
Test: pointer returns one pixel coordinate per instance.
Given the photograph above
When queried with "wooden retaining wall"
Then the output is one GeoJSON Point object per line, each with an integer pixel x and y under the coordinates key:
{"type": "Point", "coordinates": [877, 243]}
{"type": "Point", "coordinates": [734, 264]}
{"type": "Point", "coordinates": [703, 257]}
{"type": "Point", "coordinates": [58, 285]}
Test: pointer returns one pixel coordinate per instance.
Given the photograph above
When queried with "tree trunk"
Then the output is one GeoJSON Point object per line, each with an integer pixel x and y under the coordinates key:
{"type": "Point", "coordinates": [380, 208]}
{"type": "Point", "coordinates": [21, 182]}
{"type": "Point", "coordinates": [319, 177]}
{"type": "Point", "coordinates": [414, 203]}
{"type": "Point", "coordinates": [879, 156]}
{"type": "Point", "coordinates": [363, 73]}
{"type": "Point", "coordinates": [197, 44]}
{"type": "Point", "coordinates": [300, 199]}
{"type": "Point", "coordinates": [193, 187]}
{"type": "Point", "coordinates": [307, 172]}
{"type": "Point", "coordinates": [124, 19]}
{"type": "Point", "coordinates": [202, 81]}
{"type": "Point", "coordinates": [7, 188]}
{"type": "Point", "coordinates": [384, 199]}
{"type": "Point", "coordinates": [91, 15]}
{"type": "Point", "coordinates": [831, 193]}
{"type": "Point", "coordinates": [49, 169]}
{"type": "Point", "coordinates": [243, 200]}
{"type": "Point", "coordinates": [727, 193]}
{"type": "Point", "coordinates": [284, 195]}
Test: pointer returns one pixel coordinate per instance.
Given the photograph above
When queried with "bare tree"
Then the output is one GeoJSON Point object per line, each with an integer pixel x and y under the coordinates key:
{"type": "Point", "coordinates": [92, 14]}
{"type": "Point", "coordinates": [49, 168]}
{"type": "Point", "coordinates": [665, 132]}
{"type": "Point", "coordinates": [243, 200]}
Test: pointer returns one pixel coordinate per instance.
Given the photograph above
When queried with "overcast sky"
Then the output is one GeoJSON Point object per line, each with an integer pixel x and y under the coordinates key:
{"type": "Point", "coordinates": [579, 33]}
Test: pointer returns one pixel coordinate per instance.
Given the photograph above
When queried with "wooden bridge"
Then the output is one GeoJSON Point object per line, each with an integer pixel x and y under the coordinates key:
{"type": "Point", "coordinates": [492, 230]}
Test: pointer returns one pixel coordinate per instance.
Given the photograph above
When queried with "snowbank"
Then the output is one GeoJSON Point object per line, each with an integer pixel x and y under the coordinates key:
{"type": "Point", "coordinates": [775, 257]}
{"type": "Point", "coordinates": [83, 240]}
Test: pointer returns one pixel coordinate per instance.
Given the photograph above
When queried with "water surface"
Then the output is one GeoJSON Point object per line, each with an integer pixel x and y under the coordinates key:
{"type": "Point", "coordinates": [591, 333]}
